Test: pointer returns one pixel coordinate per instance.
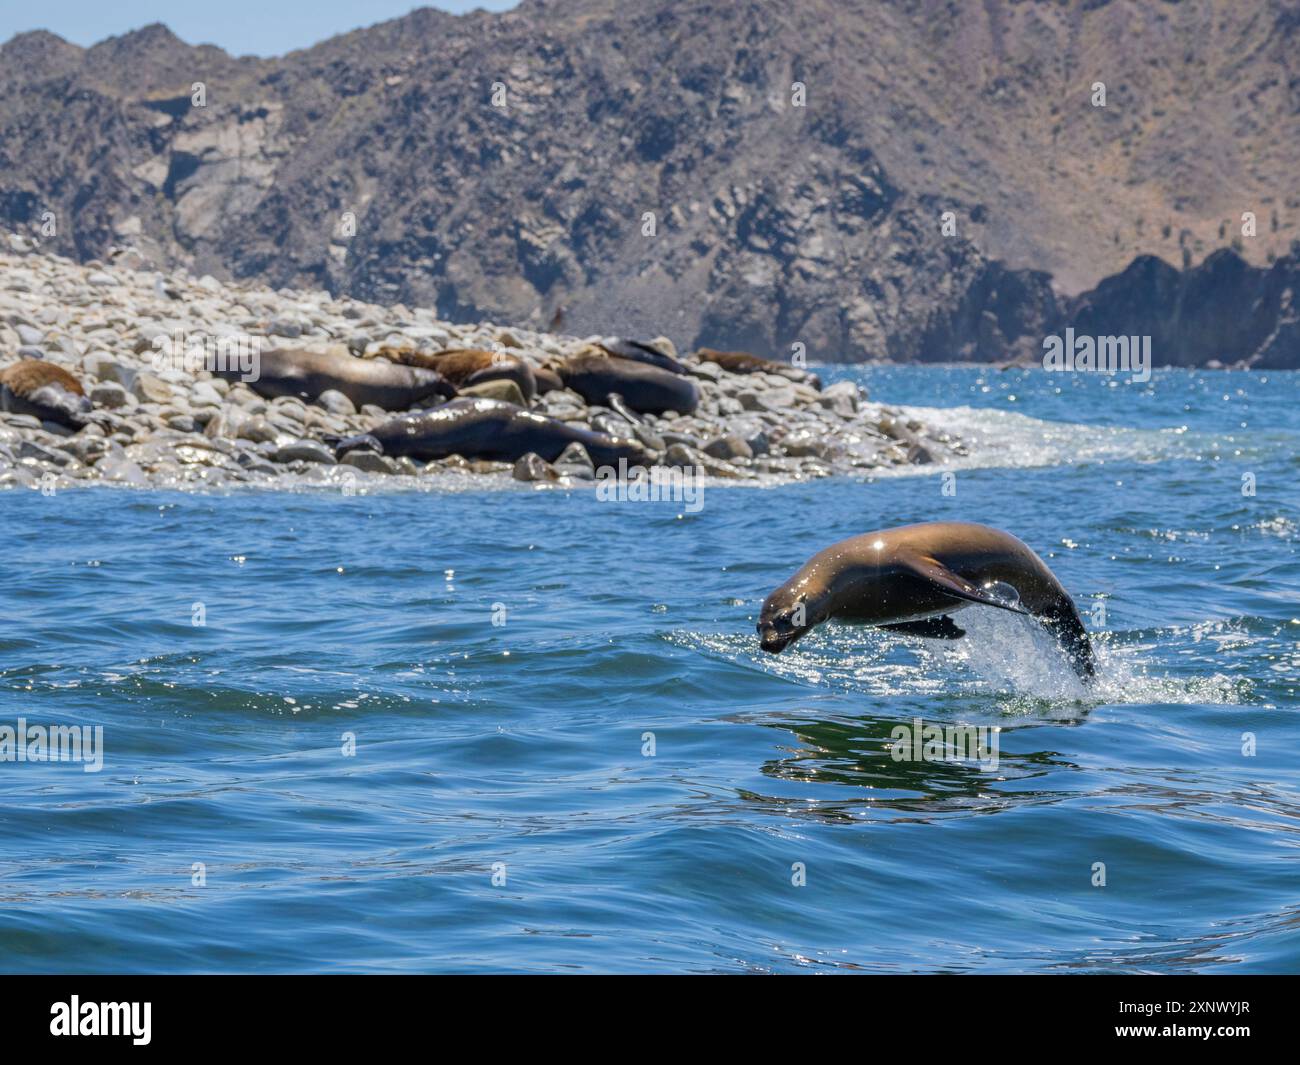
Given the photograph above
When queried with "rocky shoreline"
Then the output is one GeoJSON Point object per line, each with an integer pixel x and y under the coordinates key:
{"type": "Point", "coordinates": [163, 425]}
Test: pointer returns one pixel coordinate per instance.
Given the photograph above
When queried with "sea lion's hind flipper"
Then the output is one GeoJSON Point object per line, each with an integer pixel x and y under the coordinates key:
{"type": "Point", "coordinates": [341, 445]}
{"type": "Point", "coordinates": [1063, 622]}
{"type": "Point", "coordinates": [941, 628]}
{"type": "Point", "coordinates": [959, 587]}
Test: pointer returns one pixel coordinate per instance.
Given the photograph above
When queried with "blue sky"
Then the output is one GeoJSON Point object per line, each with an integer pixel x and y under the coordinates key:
{"type": "Point", "coordinates": [242, 27]}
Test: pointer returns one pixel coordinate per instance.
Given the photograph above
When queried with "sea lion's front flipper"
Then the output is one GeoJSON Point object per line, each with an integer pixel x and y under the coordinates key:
{"type": "Point", "coordinates": [619, 406]}
{"type": "Point", "coordinates": [959, 587]}
{"type": "Point", "coordinates": [941, 628]}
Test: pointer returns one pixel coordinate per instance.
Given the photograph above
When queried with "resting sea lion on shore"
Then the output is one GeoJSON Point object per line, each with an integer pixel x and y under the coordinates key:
{"type": "Point", "coordinates": [744, 362]}
{"type": "Point", "coordinates": [306, 373]}
{"type": "Point", "coordinates": [464, 367]}
{"type": "Point", "coordinates": [46, 391]}
{"type": "Point", "coordinates": [911, 579]}
{"type": "Point", "coordinates": [645, 388]}
{"type": "Point", "coordinates": [490, 429]}
{"type": "Point", "coordinates": [639, 351]}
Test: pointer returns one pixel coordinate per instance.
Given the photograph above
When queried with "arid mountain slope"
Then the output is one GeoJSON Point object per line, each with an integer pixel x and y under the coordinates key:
{"type": "Point", "coordinates": [379, 164]}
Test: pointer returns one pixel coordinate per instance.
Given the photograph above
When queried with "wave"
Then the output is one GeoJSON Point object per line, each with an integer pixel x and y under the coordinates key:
{"type": "Point", "coordinates": [1003, 438]}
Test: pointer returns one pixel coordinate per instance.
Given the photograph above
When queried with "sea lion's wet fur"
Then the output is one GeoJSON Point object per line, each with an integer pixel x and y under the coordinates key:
{"type": "Point", "coordinates": [307, 373]}
{"type": "Point", "coordinates": [547, 379]}
{"type": "Point", "coordinates": [744, 362]}
{"type": "Point", "coordinates": [900, 577]}
{"type": "Point", "coordinates": [45, 391]}
{"type": "Point", "coordinates": [491, 429]}
{"type": "Point", "coordinates": [645, 388]}
{"type": "Point", "coordinates": [464, 367]}
{"type": "Point", "coordinates": [639, 351]}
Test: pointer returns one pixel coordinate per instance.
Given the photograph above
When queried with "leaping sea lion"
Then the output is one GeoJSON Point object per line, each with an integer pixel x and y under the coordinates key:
{"type": "Point", "coordinates": [910, 579]}
{"type": "Point", "coordinates": [47, 391]}
{"type": "Point", "coordinates": [306, 373]}
{"type": "Point", "coordinates": [744, 362]}
{"type": "Point", "coordinates": [464, 367]}
{"type": "Point", "coordinates": [645, 388]}
{"type": "Point", "coordinates": [490, 429]}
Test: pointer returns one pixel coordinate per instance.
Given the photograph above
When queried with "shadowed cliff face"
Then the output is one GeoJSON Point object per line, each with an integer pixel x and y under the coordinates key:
{"type": "Point", "coordinates": [1223, 311]}
{"type": "Point", "coordinates": [757, 174]}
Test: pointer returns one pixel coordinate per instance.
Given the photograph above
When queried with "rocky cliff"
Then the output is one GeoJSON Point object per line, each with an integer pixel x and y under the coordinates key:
{"type": "Point", "coordinates": [740, 174]}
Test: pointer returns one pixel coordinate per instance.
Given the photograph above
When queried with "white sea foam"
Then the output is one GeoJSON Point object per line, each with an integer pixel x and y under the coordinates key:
{"type": "Point", "coordinates": [1003, 438]}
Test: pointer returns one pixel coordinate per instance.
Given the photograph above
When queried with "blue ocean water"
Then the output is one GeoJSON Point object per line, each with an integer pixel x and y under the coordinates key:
{"type": "Point", "coordinates": [502, 809]}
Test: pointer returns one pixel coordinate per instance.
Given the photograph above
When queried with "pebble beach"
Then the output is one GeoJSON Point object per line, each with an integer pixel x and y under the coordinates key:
{"type": "Point", "coordinates": [160, 423]}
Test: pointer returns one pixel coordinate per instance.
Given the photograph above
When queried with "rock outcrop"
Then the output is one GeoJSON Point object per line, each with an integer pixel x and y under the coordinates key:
{"type": "Point", "coordinates": [1223, 312]}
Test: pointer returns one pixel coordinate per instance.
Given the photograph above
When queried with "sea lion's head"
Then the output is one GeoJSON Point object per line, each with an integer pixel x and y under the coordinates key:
{"type": "Point", "coordinates": [547, 379]}
{"type": "Point", "coordinates": [430, 385]}
{"type": "Point", "coordinates": [608, 450]}
{"type": "Point", "coordinates": [788, 614]}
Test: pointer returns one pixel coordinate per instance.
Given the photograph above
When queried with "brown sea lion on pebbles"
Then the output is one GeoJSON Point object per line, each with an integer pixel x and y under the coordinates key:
{"type": "Point", "coordinates": [910, 579]}
{"type": "Point", "coordinates": [490, 429]}
{"type": "Point", "coordinates": [645, 388]}
{"type": "Point", "coordinates": [465, 367]}
{"type": "Point", "coordinates": [306, 373]}
{"type": "Point", "coordinates": [45, 391]}
{"type": "Point", "coordinates": [744, 362]}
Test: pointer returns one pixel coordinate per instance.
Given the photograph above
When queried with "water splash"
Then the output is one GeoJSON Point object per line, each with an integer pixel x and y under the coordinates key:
{"type": "Point", "coordinates": [1006, 655]}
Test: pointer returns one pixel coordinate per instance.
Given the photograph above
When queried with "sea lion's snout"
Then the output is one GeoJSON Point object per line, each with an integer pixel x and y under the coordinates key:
{"type": "Point", "coordinates": [774, 642]}
{"type": "Point", "coordinates": [778, 626]}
